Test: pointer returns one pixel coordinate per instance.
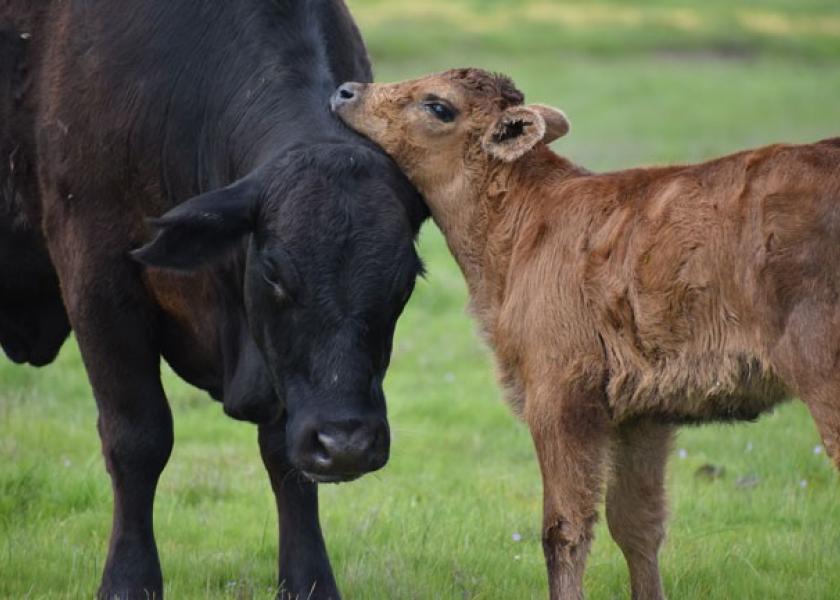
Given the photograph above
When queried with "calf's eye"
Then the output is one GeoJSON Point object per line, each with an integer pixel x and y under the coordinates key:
{"type": "Point", "coordinates": [441, 111]}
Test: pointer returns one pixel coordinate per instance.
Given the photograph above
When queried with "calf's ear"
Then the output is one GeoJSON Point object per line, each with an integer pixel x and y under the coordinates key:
{"type": "Point", "coordinates": [520, 128]}
{"type": "Point", "coordinates": [556, 123]}
{"type": "Point", "coordinates": [201, 229]}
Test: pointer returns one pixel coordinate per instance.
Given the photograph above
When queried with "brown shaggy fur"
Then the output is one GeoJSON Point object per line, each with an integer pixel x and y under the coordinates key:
{"type": "Point", "coordinates": [497, 88]}
{"type": "Point", "coordinates": [621, 304]}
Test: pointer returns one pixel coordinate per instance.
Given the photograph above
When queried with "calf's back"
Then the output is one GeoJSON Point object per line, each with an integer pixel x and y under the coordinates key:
{"type": "Point", "coordinates": [699, 286]}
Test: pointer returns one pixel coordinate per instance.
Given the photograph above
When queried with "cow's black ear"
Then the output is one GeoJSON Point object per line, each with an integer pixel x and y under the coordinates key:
{"type": "Point", "coordinates": [202, 229]}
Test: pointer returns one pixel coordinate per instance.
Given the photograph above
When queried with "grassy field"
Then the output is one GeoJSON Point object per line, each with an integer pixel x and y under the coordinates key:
{"type": "Point", "coordinates": [642, 82]}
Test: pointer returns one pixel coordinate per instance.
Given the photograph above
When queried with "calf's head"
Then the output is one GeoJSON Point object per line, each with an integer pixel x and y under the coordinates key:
{"type": "Point", "coordinates": [329, 265]}
{"type": "Point", "coordinates": [445, 131]}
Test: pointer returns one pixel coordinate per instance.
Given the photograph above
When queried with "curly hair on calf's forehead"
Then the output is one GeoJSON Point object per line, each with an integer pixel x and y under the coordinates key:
{"type": "Point", "coordinates": [492, 85]}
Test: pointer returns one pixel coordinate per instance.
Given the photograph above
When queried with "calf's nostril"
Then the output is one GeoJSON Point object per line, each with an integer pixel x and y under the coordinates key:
{"type": "Point", "coordinates": [345, 94]}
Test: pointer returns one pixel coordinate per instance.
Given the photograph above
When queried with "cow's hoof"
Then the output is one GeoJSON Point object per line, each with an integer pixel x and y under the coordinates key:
{"type": "Point", "coordinates": [129, 593]}
{"type": "Point", "coordinates": [312, 592]}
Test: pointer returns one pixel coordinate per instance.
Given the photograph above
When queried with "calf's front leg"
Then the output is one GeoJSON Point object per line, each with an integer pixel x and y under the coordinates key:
{"type": "Point", "coordinates": [304, 567]}
{"type": "Point", "coordinates": [570, 431]}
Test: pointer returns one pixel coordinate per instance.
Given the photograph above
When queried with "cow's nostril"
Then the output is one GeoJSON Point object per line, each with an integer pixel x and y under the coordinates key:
{"type": "Point", "coordinates": [321, 445]}
{"type": "Point", "coordinates": [340, 450]}
{"type": "Point", "coordinates": [345, 94]}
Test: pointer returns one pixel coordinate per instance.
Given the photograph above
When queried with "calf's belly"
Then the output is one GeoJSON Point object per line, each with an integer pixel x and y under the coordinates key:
{"type": "Point", "coordinates": [696, 390]}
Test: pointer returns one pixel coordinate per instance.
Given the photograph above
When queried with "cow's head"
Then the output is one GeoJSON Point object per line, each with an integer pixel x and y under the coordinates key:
{"type": "Point", "coordinates": [330, 263]}
{"type": "Point", "coordinates": [447, 131]}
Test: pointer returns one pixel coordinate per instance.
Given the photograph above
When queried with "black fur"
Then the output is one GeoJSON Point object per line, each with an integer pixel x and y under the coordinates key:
{"type": "Point", "coordinates": [199, 202]}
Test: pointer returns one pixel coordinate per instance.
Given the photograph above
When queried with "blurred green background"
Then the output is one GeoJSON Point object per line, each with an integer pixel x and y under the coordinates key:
{"type": "Point", "coordinates": [642, 82]}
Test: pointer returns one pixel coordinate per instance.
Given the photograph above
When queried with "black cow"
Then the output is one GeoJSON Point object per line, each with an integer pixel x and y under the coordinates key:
{"type": "Point", "coordinates": [275, 276]}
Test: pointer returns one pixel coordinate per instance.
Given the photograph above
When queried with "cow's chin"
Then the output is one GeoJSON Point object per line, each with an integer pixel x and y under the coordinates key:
{"type": "Point", "coordinates": [320, 478]}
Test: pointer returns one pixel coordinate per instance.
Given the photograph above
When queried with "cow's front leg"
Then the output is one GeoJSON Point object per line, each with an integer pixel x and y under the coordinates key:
{"type": "Point", "coordinates": [115, 325]}
{"type": "Point", "coordinates": [570, 432]}
{"type": "Point", "coordinates": [305, 571]}
{"type": "Point", "coordinates": [136, 443]}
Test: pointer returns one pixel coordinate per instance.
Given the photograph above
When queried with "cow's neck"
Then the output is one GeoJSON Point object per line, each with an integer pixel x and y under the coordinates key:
{"type": "Point", "coordinates": [483, 216]}
{"type": "Point", "coordinates": [279, 62]}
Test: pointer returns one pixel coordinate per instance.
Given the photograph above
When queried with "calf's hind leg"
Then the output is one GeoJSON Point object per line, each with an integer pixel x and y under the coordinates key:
{"type": "Point", "coordinates": [570, 435]}
{"type": "Point", "coordinates": [823, 402]}
{"type": "Point", "coordinates": [636, 502]}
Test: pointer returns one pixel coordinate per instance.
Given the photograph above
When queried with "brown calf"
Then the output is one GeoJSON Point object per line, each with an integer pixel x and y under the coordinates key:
{"type": "Point", "coordinates": [621, 304]}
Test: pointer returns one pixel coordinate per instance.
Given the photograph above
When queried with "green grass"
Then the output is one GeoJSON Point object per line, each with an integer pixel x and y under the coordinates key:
{"type": "Point", "coordinates": [787, 29]}
{"type": "Point", "coordinates": [437, 521]}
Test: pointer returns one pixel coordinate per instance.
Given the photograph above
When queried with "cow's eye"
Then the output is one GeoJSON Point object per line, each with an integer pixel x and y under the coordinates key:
{"type": "Point", "coordinates": [441, 111]}
{"type": "Point", "coordinates": [277, 289]}
{"type": "Point", "coordinates": [281, 277]}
